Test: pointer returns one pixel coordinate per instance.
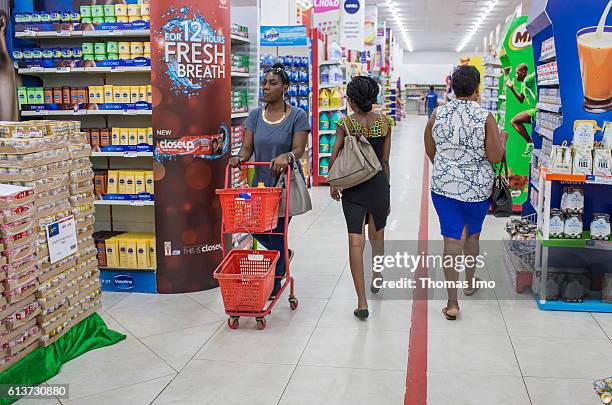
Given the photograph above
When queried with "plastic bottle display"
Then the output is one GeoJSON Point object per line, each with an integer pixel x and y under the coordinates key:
{"type": "Point", "coordinates": [325, 74]}
{"type": "Point", "coordinates": [335, 98]}
{"type": "Point", "coordinates": [324, 123]}
{"type": "Point", "coordinates": [332, 140]}
{"type": "Point", "coordinates": [334, 118]}
{"type": "Point", "coordinates": [335, 74]}
{"type": "Point", "coordinates": [324, 144]}
{"type": "Point", "coordinates": [334, 52]}
{"type": "Point", "coordinates": [324, 99]}
{"type": "Point", "coordinates": [324, 166]}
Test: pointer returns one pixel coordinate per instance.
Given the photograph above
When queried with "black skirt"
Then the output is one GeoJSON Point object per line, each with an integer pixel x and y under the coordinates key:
{"type": "Point", "coordinates": [372, 197]}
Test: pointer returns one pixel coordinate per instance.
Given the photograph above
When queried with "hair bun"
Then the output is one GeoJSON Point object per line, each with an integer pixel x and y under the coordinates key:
{"type": "Point", "coordinates": [278, 66]}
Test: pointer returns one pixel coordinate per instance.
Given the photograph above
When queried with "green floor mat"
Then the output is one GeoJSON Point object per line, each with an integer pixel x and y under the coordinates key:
{"type": "Point", "coordinates": [45, 362]}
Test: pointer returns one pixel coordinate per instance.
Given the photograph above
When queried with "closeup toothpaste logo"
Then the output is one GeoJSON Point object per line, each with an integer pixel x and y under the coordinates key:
{"type": "Point", "coordinates": [191, 145]}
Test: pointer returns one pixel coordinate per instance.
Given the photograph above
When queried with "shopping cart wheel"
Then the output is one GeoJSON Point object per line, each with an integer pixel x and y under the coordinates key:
{"type": "Point", "coordinates": [293, 303]}
{"type": "Point", "coordinates": [232, 322]}
{"type": "Point", "coordinates": [261, 323]}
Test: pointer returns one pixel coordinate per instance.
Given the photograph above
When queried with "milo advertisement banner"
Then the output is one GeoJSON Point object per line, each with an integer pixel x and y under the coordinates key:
{"type": "Point", "coordinates": [190, 51]}
{"type": "Point", "coordinates": [518, 84]}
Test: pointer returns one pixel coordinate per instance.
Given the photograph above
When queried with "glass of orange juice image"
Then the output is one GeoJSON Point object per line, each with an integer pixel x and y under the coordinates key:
{"type": "Point", "coordinates": [595, 53]}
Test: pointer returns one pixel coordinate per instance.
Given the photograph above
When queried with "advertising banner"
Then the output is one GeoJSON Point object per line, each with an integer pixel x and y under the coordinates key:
{"type": "Point", "coordinates": [287, 35]}
{"type": "Point", "coordinates": [326, 18]}
{"type": "Point", "coordinates": [519, 87]}
{"type": "Point", "coordinates": [369, 27]}
{"type": "Point", "coordinates": [353, 19]}
{"type": "Point", "coordinates": [191, 119]}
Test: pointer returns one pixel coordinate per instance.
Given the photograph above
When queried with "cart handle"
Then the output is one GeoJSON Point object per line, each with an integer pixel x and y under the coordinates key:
{"type": "Point", "coordinates": [247, 164]}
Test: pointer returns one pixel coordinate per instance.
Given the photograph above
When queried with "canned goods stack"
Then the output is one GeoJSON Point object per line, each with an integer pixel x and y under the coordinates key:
{"type": "Point", "coordinates": [19, 331]}
{"type": "Point", "coordinates": [52, 158]}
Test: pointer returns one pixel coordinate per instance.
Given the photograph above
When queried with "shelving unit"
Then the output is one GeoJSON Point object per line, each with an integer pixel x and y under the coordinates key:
{"type": "Point", "coordinates": [110, 215]}
{"type": "Point", "coordinates": [413, 95]}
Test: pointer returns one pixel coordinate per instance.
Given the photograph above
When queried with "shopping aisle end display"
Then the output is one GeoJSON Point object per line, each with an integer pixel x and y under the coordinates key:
{"type": "Point", "coordinates": [192, 147]}
{"type": "Point", "coordinates": [516, 52]}
{"type": "Point", "coordinates": [570, 176]}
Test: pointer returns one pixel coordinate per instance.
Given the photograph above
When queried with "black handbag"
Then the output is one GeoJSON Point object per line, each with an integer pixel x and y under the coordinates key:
{"type": "Point", "coordinates": [502, 197]}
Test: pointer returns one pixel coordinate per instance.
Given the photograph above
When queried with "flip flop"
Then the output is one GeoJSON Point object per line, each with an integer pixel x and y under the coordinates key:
{"type": "Point", "coordinates": [448, 317]}
{"type": "Point", "coordinates": [468, 292]}
{"type": "Point", "coordinates": [362, 314]}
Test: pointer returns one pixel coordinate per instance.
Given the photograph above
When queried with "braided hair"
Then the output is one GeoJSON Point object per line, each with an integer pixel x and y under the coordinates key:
{"type": "Point", "coordinates": [363, 92]}
{"type": "Point", "coordinates": [279, 70]}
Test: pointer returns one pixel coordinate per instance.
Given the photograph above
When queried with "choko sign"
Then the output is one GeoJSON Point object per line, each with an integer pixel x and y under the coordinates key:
{"type": "Point", "coordinates": [321, 6]}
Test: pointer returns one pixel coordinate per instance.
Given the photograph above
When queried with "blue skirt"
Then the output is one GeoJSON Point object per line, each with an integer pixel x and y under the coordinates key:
{"type": "Point", "coordinates": [454, 215]}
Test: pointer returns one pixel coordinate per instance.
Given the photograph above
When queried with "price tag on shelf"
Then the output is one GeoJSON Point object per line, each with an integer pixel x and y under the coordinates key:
{"type": "Point", "coordinates": [43, 112]}
{"type": "Point", "coordinates": [64, 33]}
{"type": "Point", "coordinates": [114, 32]}
{"type": "Point", "coordinates": [63, 69]}
{"type": "Point", "coordinates": [137, 203]}
{"type": "Point", "coordinates": [79, 112]}
{"type": "Point", "coordinates": [130, 154]}
{"type": "Point", "coordinates": [37, 69]}
{"type": "Point", "coordinates": [130, 112]}
{"type": "Point", "coordinates": [29, 33]}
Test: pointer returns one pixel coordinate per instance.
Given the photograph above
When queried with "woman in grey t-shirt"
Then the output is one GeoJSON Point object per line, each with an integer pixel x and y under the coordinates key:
{"type": "Point", "coordinates": [275, 133]}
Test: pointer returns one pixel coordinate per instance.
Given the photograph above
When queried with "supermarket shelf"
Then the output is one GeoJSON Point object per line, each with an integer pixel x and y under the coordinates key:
{"type": "Point", "coordinates": [327, 132]}
{"type": "Point", "coordinates": [118, 69]}
{"type": "Point", "coordinates": [535, 184]}
{"type": "Point", "coordinates": [577, 178]}
{"type": "Point", "coordinates": [549, 107]}
{"type": "Point", "coordinates": [122, 154]}
{"type": "Point", "coordinates": [545, 83]}
{"type": "Point", "coordinates": [330, 85]}
{"type": "Point", "coordinates": [546, 133]}
{"type": "Point", "coordinates": [327, 109]}
{"type": "Point", "coordinates": [330, 62]}
{"type": "Point", "coordinates": [588, 305]}
{"type": "Point", "coordinates": [538, 153]}
{"type": "Point", "coordinates": [126, 203]}
{"type": "Point", "coordinates": [240, 115]}
{"type": "Point", "coordinates": [239, 39]}
{"type": "Point", "coordinates": [123, 269]}
{"type": "Point", "coordinates": [547, 58]}
{"type": "Point", "coordinates": [241, 74]}
{"type": "Point", "coordinates": [83, 112]}
{"type": "Point", "coordinates": [584, 243]}
{"type": "Point", "coordinates": [81, 34]}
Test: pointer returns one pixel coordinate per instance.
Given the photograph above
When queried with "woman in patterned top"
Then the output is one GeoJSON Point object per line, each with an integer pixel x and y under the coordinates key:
{"type": "Point", "coordinates": [462, 142]}
{"type": "Point", "coordinates": [368, 202]}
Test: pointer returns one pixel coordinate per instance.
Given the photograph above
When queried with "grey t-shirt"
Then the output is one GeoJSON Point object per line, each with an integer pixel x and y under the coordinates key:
{"type": "Point", "coordinates": [272, 140]}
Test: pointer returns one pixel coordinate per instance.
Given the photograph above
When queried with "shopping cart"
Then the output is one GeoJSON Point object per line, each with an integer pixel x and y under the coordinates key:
{"type": "Point", "coordinates": [246, 277]}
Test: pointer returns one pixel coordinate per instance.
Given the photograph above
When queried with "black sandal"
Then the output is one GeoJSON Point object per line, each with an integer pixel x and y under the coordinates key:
{"type": "Point", "coordinates": [373, 288]}
{"type": "Point", "coordinates": [449, 317]}
{"type": "Point", "coordinates": [362, 314]}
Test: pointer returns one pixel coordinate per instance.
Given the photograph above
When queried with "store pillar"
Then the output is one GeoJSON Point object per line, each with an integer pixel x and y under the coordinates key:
{"type": "Point", "coordinates": [191, 120]}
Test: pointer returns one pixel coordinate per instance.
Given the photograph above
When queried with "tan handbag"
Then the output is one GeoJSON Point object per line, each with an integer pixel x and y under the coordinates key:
{"type": "Point", "coordinates": [357, 162]}
{"type": "Point", "coordinates": [299, 202]}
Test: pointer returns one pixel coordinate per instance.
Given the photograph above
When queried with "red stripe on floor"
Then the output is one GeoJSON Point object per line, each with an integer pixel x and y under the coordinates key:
{"type": "Point", "coordinates": [416, 375]}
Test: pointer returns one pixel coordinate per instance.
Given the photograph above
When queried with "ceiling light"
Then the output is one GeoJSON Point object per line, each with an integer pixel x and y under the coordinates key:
{"type": "Point", "coordinates": [398, 21]}
{"type": "Point", "coordinates": [477, 25]}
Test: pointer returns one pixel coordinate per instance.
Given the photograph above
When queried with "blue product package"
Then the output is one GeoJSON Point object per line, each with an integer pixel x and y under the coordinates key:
{"type": "Point", "coordinates": [288, 60]}
{"type": "Point", "coordinates": [45, 17]}
{"type": "Point", "coordinates": [293, 101]}
{"type": "Point", "coordinates": [281, 60]}
{"type": "Point", "coordinates": [304, 104]}
{"type": "Point", "coordinates": [304, 76]}
{"type": "Point", "coordinates": [17, 54]}
{"type": "Point", "coordinates": [57, 53]}
{"type": "Point", "coordinates": [37, 53]}
{"type": "Point", "coordinates": [303, 90]}
{"type": "Point", "coordinates": [56, 16]}
{"type": "Point", "coordinates": [47, 53]}
{"type": "Point", "coordinates": [35, 17]}
{"type": "Point", "coordinates": [77, 53]}
{"type": "Point", "coordinates": [305, 61]}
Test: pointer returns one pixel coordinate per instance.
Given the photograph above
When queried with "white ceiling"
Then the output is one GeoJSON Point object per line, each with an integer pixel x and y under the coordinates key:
{"type": "Point", "coordinates": [442, 25]}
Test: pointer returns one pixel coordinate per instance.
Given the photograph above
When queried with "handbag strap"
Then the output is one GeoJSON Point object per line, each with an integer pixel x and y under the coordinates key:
{"type": "Point", "coordinates": [503, 167]}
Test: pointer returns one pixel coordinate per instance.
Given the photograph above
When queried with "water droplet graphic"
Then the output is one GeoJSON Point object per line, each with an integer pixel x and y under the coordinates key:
{"type": "Point", "coordinates": [184, 10]}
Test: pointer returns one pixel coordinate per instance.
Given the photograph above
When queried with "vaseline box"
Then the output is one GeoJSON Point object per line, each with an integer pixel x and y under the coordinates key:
{"type": "Point", "coordinates": [123, 259]}
{"type": "Point", "coordinates": [142, 252]}
{"type": "Point", "coordinates": [132, 257]}
{"type": "Point", "coordinates": [124, 136]}
{"type": "Point", "coordinates": [150, 183]}
{"type": "Point", "coordinates": [152, 252]}
{"type": "Point", "coordinates": [122, 182]}
{"type": "Point", "coordinates": [109, 96]}
{"type": "Point", "coordinates": [142, 135]}
{"type": "Point", "coordinates": [133, 136]}
{"type": "Point", "coordinates": [116, 136]}
{"type": "Point", "coordinates": [112, 252]}
{"type": "Point", "coordinates": [140, 182]}
{"type": "Point", "coordinates": [130, 187]}
{"type": "Point", "coordinates": [113, 182]}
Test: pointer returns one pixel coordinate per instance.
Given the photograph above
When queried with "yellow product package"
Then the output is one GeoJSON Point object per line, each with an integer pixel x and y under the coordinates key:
{"type": "Point", "coordinates": [132, 258]}
{"type": "Point", "coordinates": [152, 252]}
{"type": "Point", "coordinates": [142, 93]}
{"type": "Point", "coordinates": [142, 135]}
{"type": "Point", "coordinates": [113, 182]}
{"type": "Point", "coordinates": [122, 182]}
{"type": "Point", "coordinates": [112, 252]}
{"type": "Point", "coordinates": [116, 94]}
{"type": "Point", "coordinates": [140, 182]}
{"type": "Point", "coordinates": [130, 186]}
{"type": "Point", "coordinates": [125, 94]}
{"type": "Point", "coordinates": [124, 136]}
{"type": "Point", "coordinates": [123, 262]}
{"type": "Point", "coordinates": [142, 252]}
{"type": "Point", "coordinates": [109, 94]}
{"type": "Point", "coordinates": [134, 94]}
{"type": "Point", "coordinates": [116, 136]}
{"type": "Point", "coordinates": [150, 183]}
{"type": "Point", "coordinates": [133, 136]}
{"type": "Point", "coordinates": [150, 136]}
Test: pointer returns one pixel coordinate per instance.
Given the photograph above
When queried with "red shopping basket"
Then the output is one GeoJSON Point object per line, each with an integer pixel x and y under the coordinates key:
{"type": "Point", "coordinates": [246, 279]}
{"type": "Point", "coordinates": [250, 210]}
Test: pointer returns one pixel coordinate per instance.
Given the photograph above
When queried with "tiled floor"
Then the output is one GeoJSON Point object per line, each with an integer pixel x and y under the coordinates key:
{"type": "Point", "coordinates": [502, 350]}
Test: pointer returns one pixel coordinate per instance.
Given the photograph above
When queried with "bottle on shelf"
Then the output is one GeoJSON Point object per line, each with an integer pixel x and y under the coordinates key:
{"type": "Point", "coordinates": [335, 98]}
{"type": "Point", "coordinates": [335, 117]}
{"type": "Point", "coordinates": [324, 144]}
{"type": "Point", "coordinates": [334, 51]}
{"type": "Point", "coordinates": [324, 122]}
{"type": "Point", "coordinates": [325, 77]}
{"type": "Point", "coordinates": [324, 98]}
